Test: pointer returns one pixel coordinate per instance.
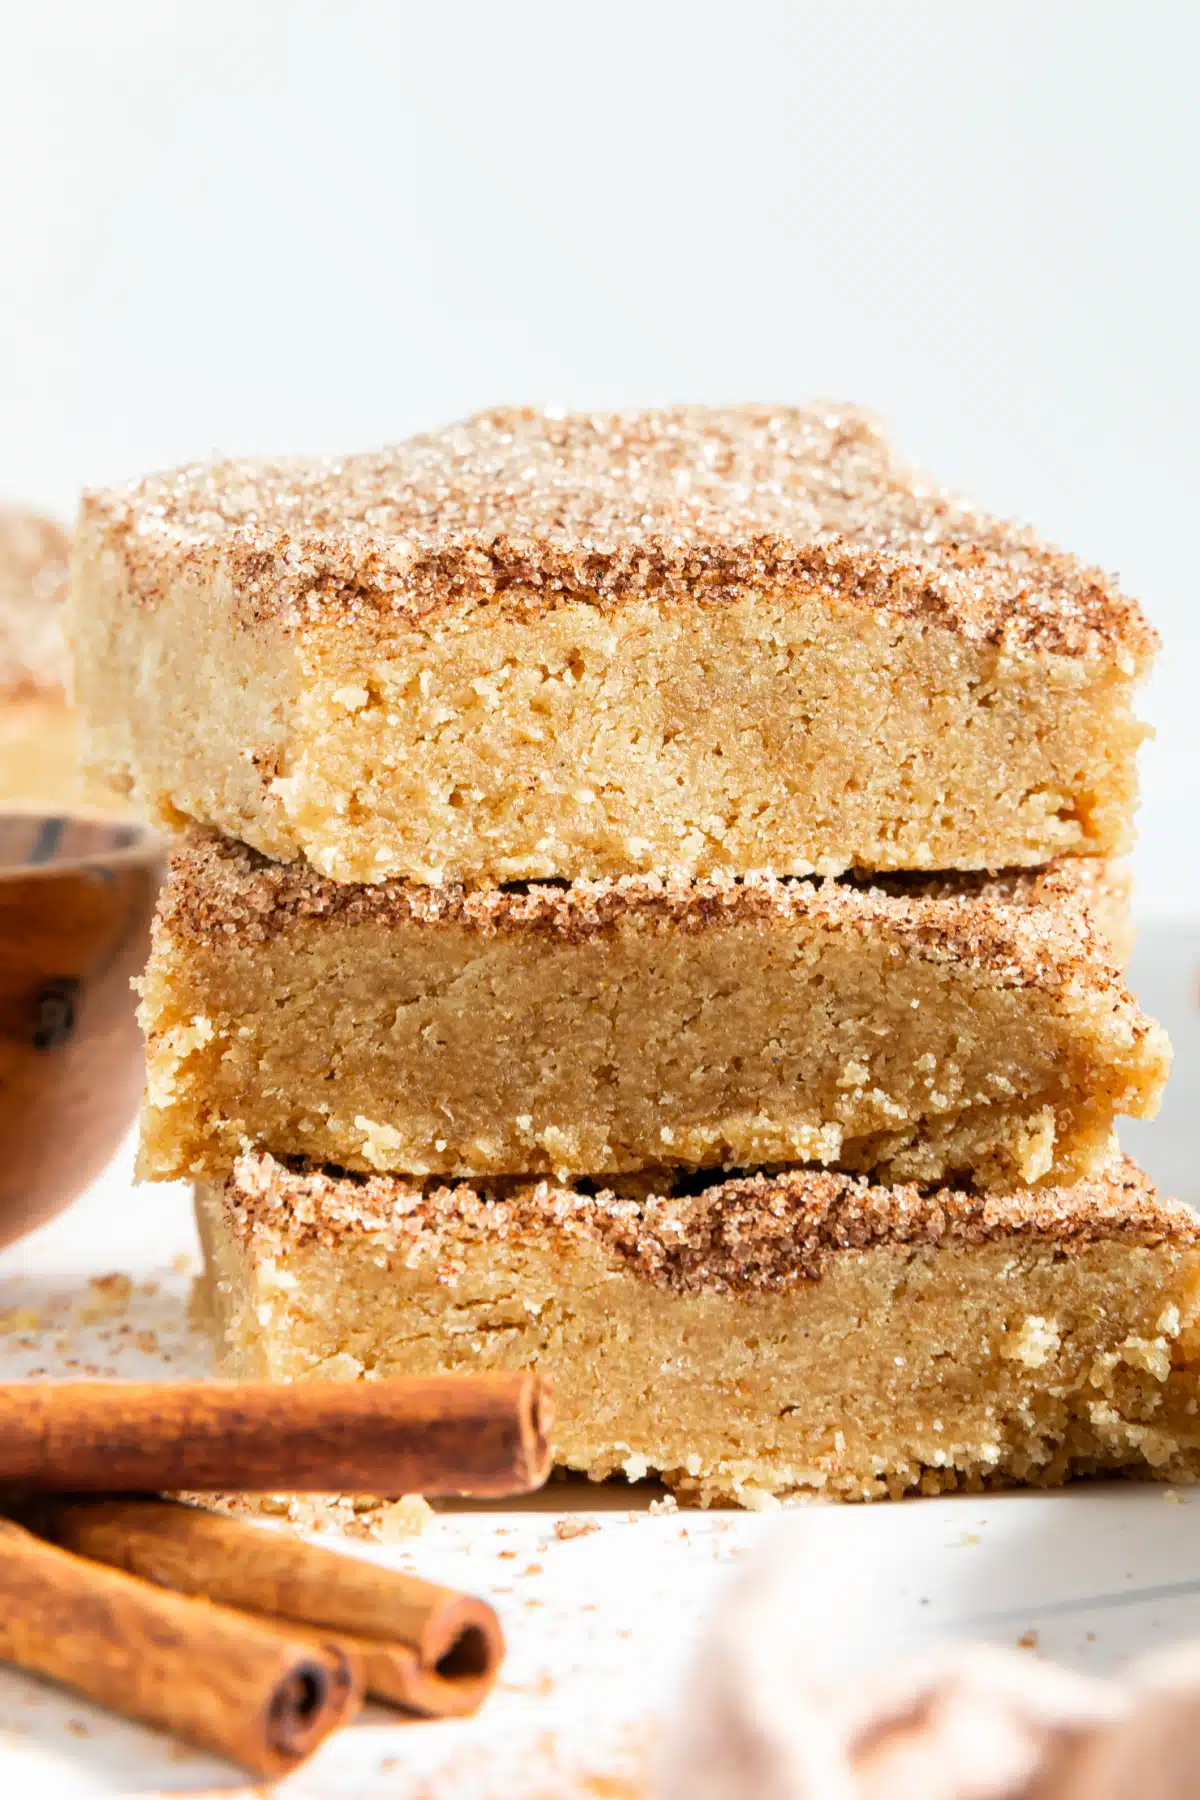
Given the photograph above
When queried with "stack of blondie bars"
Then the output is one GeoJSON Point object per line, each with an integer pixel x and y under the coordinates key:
{"type": "Point", "coordinates": [643, 907]}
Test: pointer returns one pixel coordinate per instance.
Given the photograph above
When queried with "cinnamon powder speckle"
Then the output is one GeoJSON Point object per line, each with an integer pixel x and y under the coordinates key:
{"type": "Point", "coordinates": [520, 511]}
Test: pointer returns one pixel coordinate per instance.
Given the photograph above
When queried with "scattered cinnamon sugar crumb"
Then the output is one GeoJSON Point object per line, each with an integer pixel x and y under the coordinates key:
{"type": "Point", "coordinates": [146, 1341]}
{"type": "Point", "coordinates": [668, 1504]}
{"type": "Point", "coordinates": [403, 1518]}
{"type": "Point", "coordinates": [540, 1688]}
{"type": "Point", "coordinates": [110, 1294]}
{"type": "Point", "coordinates": [534, 1568]}
{"type": "Point", "coordinates": [115, 1286]}
{"type": "Point", "coordinates": [21, 1318]}
{"type": "Point", "coordinates": [573, 1528]}
{"type": "Point", "coordinates": [181, 1262]}
{"type": "Point", "coordinates": [612, 1787]}
{"type": "Point", "coordinates": [1028, 1640]}
{"type": "Point", "coordinates": [362, 1516]}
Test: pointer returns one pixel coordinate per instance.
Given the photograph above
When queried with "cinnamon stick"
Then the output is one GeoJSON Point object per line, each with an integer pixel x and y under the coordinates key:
{"type": "Point", "coordinates": [223, 1681]}
{"type": "Point", "coordinates": [393, 1675]}
{"type": "Point", "coordinates": [483, 1435]}
{"type": "Point", "coordinates": [427, 1649]}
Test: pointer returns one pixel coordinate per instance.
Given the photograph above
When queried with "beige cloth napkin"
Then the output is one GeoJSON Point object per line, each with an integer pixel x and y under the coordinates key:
{"type": "Point", "coordinates": [771, 1711]}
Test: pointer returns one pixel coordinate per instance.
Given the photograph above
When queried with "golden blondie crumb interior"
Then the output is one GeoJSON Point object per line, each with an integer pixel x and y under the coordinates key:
{"type": "Point", "coordinates": [928, 1030]}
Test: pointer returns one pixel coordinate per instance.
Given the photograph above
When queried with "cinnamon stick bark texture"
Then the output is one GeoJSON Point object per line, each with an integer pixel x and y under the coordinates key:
{"type": "Point", "coordinates": [428, 1649]}
{"type": "Point", "coordinates": [221, 1680]}
{"type": "Point", "coordinates": [485, 1435]}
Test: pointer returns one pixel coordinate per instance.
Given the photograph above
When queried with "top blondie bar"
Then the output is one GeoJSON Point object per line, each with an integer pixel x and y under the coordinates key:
{"type": "Point", "coordinates": [540, 645]}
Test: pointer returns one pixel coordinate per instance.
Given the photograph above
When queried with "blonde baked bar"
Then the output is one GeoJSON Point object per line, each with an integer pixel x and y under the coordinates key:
{"type": "Point", "coordinates": [536, 646]}
{"type": "Point", "coordinates": [748, 1338]}
{"type": "Point", "coordinates": [926, 1028]}
{"type": "Point", "coordinates": [38, 765]}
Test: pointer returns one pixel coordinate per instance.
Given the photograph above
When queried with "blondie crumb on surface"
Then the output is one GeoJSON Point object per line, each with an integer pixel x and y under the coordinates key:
{"type": "Point", "coordinates": [367, 1517]}
{"type": "Point", "coordinates": [543, 646]}
{"type": "Point", "coordinates": [923, 1027]}
{"type": "Point", "coordinates": [747, 1339]}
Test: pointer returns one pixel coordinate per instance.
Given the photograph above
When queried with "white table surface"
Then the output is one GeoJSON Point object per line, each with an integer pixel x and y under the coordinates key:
{"type": "Point", "coordinates": [600, 1625]}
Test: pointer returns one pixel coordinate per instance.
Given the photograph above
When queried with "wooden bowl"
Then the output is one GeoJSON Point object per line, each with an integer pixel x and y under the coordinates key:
{"type": "Point", "coordinates": [76, 900]}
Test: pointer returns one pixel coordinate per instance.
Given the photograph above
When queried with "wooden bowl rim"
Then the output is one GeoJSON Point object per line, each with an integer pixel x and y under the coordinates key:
{"type": "Point", "coordinates": [133, 844]}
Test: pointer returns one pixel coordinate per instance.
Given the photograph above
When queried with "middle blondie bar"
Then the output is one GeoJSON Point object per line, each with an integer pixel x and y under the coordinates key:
{"type": "Point", "coordinates": [926, 1028]}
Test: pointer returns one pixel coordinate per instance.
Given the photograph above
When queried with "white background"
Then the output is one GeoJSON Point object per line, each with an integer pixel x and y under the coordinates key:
{"type": "Point", "coordinates": [280, 226]}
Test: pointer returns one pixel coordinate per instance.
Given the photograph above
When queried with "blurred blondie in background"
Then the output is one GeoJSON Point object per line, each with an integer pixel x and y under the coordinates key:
{"type": "Point", "coordinates": [39, 770]}
{"type": "Point", "coordinates": [37, 728]}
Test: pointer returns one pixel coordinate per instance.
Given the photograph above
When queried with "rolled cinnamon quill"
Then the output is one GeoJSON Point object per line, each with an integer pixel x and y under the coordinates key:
{"type": "Point", "coordinates": [428, 1649]}
{"type": "Point", "coordinates": [223, 1681]}
{"type": "Point", "coordinates": [483, 1435]}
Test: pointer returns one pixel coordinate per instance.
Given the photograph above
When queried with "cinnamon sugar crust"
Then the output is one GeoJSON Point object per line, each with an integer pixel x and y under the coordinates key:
{"type": "Point", "coordinates": [764, 1231]}
{"type": "Point", "coordinates": [33, 583]}
{"type": "Point", "coordinates": [1022, 923]}
{"type": "Point", "coordinates": [522, 511]}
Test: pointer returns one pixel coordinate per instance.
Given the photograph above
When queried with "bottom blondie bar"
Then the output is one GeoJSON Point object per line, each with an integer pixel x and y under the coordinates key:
{"type": "Point", "coordinates": [746, 1337]}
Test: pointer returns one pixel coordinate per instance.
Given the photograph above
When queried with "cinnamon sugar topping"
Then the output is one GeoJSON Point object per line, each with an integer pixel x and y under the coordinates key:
{"type": "Point", "coordinates": [764, 1231]}
{"type": "Point", "coordinates": [522, 510]}
{"type": "Point", "coordinates": [1021, 925]}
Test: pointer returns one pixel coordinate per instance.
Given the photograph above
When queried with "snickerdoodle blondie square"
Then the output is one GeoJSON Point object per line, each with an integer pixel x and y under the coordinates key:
{"type": "Point", "coordinates": [928, 1027]}
{"type": "Point", "coordinates": [541, 646]}
{"type": "Point", "coordinates": [744, 1338]}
